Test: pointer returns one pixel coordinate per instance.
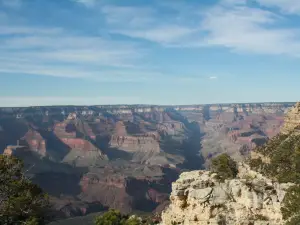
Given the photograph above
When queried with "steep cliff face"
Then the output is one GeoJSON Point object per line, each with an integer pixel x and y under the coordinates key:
{"type": "Point", "coordinates": [146, 143]}
{"type": "Point", "coordinates": [199, 198]}
{"type": "Point", "coordinates": [170, 128]}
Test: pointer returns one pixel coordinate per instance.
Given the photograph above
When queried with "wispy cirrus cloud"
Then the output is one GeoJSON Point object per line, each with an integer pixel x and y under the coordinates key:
{"type": "Point", "coordinates": [54, 52]}
{"type": "Point", "coordinates": [147, 23]}
{"type": "Point", "coordinates": [166, 34]}
{"type": "Point", "coordinates": [231, 24]}
{"type": "Point", "coordinates": [228, 24]}
{"type": "Point", "coordinates": [240, 27]}
{"type": "Point", "coordinates": [57, 53]}
{"type": "Point", "coordinates": [247, 29]}
{"type": "Point", "coordinates": [286, 6]}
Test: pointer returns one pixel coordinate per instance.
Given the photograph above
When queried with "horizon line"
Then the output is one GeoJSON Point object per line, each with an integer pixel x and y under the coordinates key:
{"type": "Point", "coordinates": [153, 105]}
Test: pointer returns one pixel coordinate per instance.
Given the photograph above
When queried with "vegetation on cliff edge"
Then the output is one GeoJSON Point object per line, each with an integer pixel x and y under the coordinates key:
{"type": "Point", "coordinates": [224, 166]}
{"type": "Point", "coordinates": [283, 152]}
{"type": "Point", "coordinates": [291, 206]}
{"type": "Point", "coordinates": [114, 217]}
{"type": "Point", "coordinates": [283, 164]}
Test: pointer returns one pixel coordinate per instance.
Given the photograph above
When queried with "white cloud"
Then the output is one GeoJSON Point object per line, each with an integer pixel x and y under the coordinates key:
{"type": "Point", "coordinates": [246, 29]}
{"type": "Point", "coordinates": [25, 101]}
{"type": "Point", "coordinates": [57, 52]}
{"type": "Point", "coordinates": [54, 52]}
{"type": "Point", "coordinates": [230, 24]}
{"type": "Point", "coordinates": [78, 71]}
{"type": "Point", "coordinates": [171, 34]}
{"type": "Point", "coordinates": [286, 6]}
{"type": "Point", "coordinates": [213, 77]}
{"type": "Point", "coordinates": [146, 23]}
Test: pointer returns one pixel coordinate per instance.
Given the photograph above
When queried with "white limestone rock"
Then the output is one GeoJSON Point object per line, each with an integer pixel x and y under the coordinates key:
{"type": "Point", "coordinates": [198, 198]}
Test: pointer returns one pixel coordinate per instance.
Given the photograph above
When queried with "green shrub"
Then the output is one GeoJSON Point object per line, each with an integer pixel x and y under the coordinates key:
{"type": "Point", "coordinates": [133, 220]}
{"type": "Point", "coordinates": [261, 217]}
{"type": "Point", "coordinates": [114, 217]}
{"type": "Point", "coordinates": [256, 164]}
{"type": "Point", "coordinates": [294, 221]}
{"type": "Point", "coordinates": [224, 166]}
{"type": "Point", "coordinates": [291, 202]}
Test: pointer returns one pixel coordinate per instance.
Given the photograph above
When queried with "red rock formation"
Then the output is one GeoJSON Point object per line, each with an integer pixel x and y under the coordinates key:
{"type": "Point", "coordinates": [60, 131]}
{"type": "Point", "coordinates": [77, 143]}
{"type": "Point", "coordinates": [68, 137]}
{"type": "Point", "coordinates": [120, 129]}
{"type": "Point", "coordinates": [35, 142]}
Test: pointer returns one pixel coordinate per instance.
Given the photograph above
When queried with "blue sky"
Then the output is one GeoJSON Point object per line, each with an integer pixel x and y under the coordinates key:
{"type": "Point", "coordinates": [56, 52]}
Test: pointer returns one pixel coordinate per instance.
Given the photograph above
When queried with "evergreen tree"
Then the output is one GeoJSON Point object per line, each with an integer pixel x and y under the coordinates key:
{"type": "Point", "coordinates": [224, 166]}
{"type": "Point", "coordinates": [21, 201]}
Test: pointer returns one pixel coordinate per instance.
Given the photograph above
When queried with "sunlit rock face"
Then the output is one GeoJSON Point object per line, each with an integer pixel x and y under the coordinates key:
{"type": "Point", "coordinates": [292, 119]}
{"type": "Point", "coordinates": [35, 142]}
{"type": "Point", "coordinates": [199, 198]}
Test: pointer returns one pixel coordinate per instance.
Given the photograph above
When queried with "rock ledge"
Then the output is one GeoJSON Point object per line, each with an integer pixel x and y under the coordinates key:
{"type": "Point", "coordinates": [199, 198]}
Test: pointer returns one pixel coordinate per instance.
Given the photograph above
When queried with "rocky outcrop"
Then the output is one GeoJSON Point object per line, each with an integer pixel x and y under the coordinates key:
{"type": "Point", "coordinates": [199, 198]}
{"type": "Point", "coordinates": [11, 150]}
{"type": "Point", "coordinates": [292, 120]}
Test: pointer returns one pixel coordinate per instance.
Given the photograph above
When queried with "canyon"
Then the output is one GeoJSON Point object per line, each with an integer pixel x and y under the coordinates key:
{"type": "Point", "coordinates": [257, 191]}
{"type": "Point", "coordinates": [90, 158]}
